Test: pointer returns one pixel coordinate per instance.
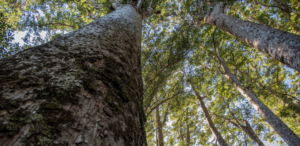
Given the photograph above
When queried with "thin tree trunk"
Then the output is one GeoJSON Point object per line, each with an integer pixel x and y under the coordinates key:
{"type": "Point", "coordinates": [283, 130]}
{"type": "Point", "coordinates": [211, 125]}
{"type": "Point", "coordinates": [84, 88]}
{"type": "Point", "coordinates": [165, 117]}
{"type": "Point", "coordinates": [250, 132]}
{"type": "Point", "coordinates": [293, 106]}
{"type": "Point", "coordinates": [152, 95]}
{"type": "Point", "coordinates": [180, 132]}
{"type": "Point", "coordinates": [188, 135]}
{"type": "Point", "coordinates": [247, 129]}
{"type": "Point", "coordinates": [280, 45]}
{"type": "Point", "coordinates": [159, 128]}
{"type": "Point", "coordinates": [156, 131]}
{"type": "Point", "coordinates": [188, 138]}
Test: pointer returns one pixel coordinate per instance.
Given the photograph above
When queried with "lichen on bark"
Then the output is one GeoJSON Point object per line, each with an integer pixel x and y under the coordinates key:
{"type": "Point", "coordinates": [84, 87]}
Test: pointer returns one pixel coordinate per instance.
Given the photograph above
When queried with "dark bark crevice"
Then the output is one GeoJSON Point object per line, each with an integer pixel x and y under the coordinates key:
{"type": "Point", "coordinates": [84, 87]}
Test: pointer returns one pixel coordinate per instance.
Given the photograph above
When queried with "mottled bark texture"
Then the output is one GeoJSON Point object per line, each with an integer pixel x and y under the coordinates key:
{"type": "Point", "coordinates": [280, 45]}
{"type": "Point", "coordinates": [84, 88]}
{"type": "Point", "coordinates": [211, 124]}
{"type": "Point", "coordinates": [283, 130]}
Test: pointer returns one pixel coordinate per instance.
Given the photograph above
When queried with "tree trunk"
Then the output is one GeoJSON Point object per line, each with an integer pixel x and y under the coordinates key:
{"type": "Point", "coordinates": [180, 132]}
{"type": "Point", "coordinates": [280, 45]}
{"type": "Point", "coordinates": [283, 130]}
{"type": "Point", "coordinates": [188, 136]}
{"type": "Point", "coordinates": [159, 128]}
{"type": "Point", "coordinates": [82, 88]}
{"type": "Point", "coordinates": [211, 125]}
{"type": "Point", "coordinates": [156, 135]}
{"type": "Point", "coordinates": [250, 132]}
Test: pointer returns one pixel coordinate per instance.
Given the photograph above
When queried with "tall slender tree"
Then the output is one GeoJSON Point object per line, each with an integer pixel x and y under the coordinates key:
{"type": "Point", "coordinates": [277, 124]}
{"type": "Point", "coordinates": [212, 127]}
{"type": "Point", "coordinates": [160, 136]}
{"type": "Point", "coordinates": [242, 124]}
{"type": "Point", "coordinates": [188, 134]}
{"type": "Point", "coordinates": [280, 45]}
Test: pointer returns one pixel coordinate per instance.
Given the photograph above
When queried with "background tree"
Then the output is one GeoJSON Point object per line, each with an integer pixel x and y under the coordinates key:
{"type": "Point", "coordinates": [173, 40]}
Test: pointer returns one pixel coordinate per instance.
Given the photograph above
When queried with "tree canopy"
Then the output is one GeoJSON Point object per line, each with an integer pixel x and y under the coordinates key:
{"type": "Point", "coordinates": [177, 40]}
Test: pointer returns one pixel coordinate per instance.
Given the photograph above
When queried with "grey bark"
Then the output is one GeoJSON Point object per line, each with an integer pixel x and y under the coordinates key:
{"type": "Point", "coordinates": [211, 125]}
{"type": "Point", "coordinates": [282, 129]}
{"type": "Point", "coordinates": [246, 128]}
{"type": "Point", "coordinates": [160, 136]}
{"type": "Point", "coordinates": [280, 45]}
{"type": "Point", "coordinates": [293, 106]}
{"type": "Point", "coordinates": [84, 88]}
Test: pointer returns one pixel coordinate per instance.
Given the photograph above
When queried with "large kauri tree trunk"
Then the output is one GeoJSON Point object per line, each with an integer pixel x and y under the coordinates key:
{"type": "Point", "coordinates": [84, 88]}
{"type": "Point", "coordinates": [280, 45]}
{"type": "Point", "coordinates": [276, 123]}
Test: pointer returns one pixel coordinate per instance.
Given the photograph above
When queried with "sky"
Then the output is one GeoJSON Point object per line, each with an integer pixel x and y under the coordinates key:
{"type": "Point", "coordinates": [18, 38]}
{"type": "Point", "coordinates": [272, 144]}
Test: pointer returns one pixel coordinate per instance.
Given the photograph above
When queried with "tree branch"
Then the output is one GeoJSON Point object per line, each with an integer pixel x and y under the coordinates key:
{"type": "Point", "coordinates": [166, 113]}
{"type": "Point", "coordinates": [287, 11]}
{"type": "Point", "coordinates": [228, 120]}
{"type": "Point", "coordinates": [60, 24]}
{"type": "Point", "coordinates": [139, 5]}
{"type": "Point", "coordinates": [155, 91]}
{"type": "Point", "coordinates": [236, 120]}
{"type": "Point", "coordinates": [150, 6]}
{"type": "Point", "coordinates": [167, 66]}
{"type": "Point", "coordinates": [163, 102]}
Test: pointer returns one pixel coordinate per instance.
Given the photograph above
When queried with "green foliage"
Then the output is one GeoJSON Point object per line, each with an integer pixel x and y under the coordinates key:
{"type": "Point", "coordinates": [8, 47]}
{"type": "Point", "coordinates": [171, 41]}
{"type": "Point", "coordinates": [262, 75]}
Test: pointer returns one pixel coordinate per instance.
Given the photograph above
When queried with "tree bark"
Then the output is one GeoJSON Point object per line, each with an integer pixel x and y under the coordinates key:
{"type": "Point", "coordinates": [283, 130]}
{"type": "Point", "coordinates": [280, 45]}
{"type": "Point", "coordinates": [84, 88]}
{"type": "Point", "coordinates": [159, 128]}
{"type": "Point", "coordinates": [284, 97]}
{"type": "Point", "coordinates": [211, 125]}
